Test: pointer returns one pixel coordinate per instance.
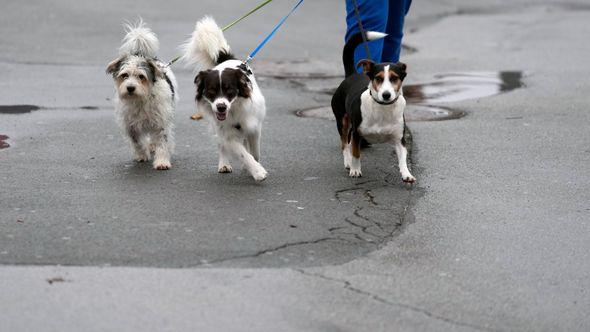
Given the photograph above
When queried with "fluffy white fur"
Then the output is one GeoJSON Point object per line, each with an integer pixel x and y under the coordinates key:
{"type": "Point", "coordinates": [139, 40]}
{"type": "Point", "coordinates": [146, 97]}
{"type": "Point", "coordinates": [202, 49]}
{"type": "Point", "coordinates": [239, 134]}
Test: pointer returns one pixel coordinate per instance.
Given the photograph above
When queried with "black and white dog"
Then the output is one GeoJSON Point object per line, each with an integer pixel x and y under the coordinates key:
{"type": "Point", "coordinates": [227, 92]}
{"type": "Point", "coordinates": [146, 96]}
{"type": "Point", "coordinates": [370, 106]}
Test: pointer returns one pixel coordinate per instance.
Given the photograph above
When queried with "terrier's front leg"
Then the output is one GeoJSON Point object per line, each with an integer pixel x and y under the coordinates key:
{"type": "Point", "coordinates": [402, 155]}
{"type": "Point", "coordinates": [162, 144]}
{"type": "Point", "coordinates": [142, 153]}
{"type": "Point", "coordinates": [355, 161]}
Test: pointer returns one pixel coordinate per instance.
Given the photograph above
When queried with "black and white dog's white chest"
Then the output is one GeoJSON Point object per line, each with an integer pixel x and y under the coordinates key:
{"type": "Point", "coordinates": [381, 123]}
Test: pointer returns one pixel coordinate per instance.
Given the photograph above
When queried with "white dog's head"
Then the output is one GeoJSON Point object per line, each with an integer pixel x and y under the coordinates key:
{"type": "Point", "coordinates": [134, 76]}
{"type": "Point", "coordinates": [220, 89]}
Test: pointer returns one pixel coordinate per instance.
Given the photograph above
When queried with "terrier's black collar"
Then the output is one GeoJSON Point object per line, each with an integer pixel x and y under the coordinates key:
{"type": "Point", "coordinates": [381, 102]}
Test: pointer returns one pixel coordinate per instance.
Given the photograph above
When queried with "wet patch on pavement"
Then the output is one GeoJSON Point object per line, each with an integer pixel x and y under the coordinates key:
{"type": "Point", "coordinates": [3, 143]}
{"type": "Point", "coordinates": [24, 109]}
{"type": "Point", "coordinates": [18, 109]}
{"type": "Point", "coordinates": [423, 98]}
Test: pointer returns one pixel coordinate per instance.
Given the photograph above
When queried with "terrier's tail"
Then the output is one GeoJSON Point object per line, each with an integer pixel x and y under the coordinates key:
{"type": "Point", "coordinates": [350, 47]}
{"type": "Point", "coordinates": [207, 47]}
{"type": "Point", "coordinates": [139, 40]}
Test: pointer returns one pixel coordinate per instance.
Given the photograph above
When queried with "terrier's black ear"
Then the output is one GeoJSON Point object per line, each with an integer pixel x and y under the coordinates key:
{"type": "Point", "coordinates": [368, 66]}
{"type": "Point", "coordinates": [400, 69]}
{"type": "Point", "coordinates": [114, 66]}
{"type": "Point", "coordinates": [244, 84]}
{"type": "Point", "coordinates": [200, 83]}
{"type": "Point", "coordinates": [155, 69]}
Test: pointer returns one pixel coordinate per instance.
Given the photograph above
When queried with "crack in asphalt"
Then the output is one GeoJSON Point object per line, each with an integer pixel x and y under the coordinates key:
{"type": "Point", "coordinates": [270, 250]}
{"type": "Point", "coordinates": [348, 286]}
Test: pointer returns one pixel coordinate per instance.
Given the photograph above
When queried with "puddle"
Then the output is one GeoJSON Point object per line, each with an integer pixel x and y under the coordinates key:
{"type": "Point", "coordinates": [3, 144]}
{"type": "Point", "coordinates": [454, 87]}
{"type": "Point", "coordinates": [423, 98]}
{"type": "Point", "coordinates": [22, 109]}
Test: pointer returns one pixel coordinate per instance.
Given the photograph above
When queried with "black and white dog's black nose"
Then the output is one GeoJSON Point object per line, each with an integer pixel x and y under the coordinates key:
{"type": "Point", "coordinates": [130, 89]}
{"type": "Point", "coordinates": [386, 95]}
{"type": "Point", "coordinates": [221, 108]}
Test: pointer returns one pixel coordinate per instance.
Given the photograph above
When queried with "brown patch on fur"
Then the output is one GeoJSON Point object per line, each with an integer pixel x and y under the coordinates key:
{"type": "Point", "coordinates": [367, 65]}
{"type": "Point", "coordinates": [345, 131]}
{"type": "Point", "coordinates": [356, 144]}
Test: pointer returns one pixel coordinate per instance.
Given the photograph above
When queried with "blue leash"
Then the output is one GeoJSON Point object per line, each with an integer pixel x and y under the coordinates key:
{"type": "Point", "coordinates": [272, 33]}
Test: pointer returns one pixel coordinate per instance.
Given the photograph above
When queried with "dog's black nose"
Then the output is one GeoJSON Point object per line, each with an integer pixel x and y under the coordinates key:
{"type": "Point", "coordinates": [386, 95]}
{"type": "Point", "coordinates": [221, 108]}
{"type": "Point", "coordinates": [130, 89]}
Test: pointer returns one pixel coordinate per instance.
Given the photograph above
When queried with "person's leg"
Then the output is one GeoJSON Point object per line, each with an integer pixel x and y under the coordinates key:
{"type": "Point", "coordinates": [395, 30]}
{"type": "Point", "coordinates": [374, 18]}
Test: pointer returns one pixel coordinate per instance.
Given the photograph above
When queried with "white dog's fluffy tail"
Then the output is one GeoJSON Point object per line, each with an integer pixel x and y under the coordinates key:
{"type": "Point", "coordinates": [139, 40]}
{"type": "Point", "coordinates": [207, 46]}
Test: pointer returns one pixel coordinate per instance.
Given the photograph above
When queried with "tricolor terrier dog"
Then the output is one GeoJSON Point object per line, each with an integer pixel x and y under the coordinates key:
{"type": "Point", "coordinates": [146, 96]}
{"type": "Point", "coordinates": [227, 92]}
{"type": "Point", "coordinates": [370, 106]}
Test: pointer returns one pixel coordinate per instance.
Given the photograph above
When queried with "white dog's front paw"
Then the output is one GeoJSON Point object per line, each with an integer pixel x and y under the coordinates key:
{"type": "Point", "coordinates": [355, 173]}
{"type": "Point", "coordinates": [408, 178]}
{"type": "Point", "coordinates": [162, 165]}
{"type": "Point", "coordinates": [259, 174]}
{"type": "Point", "coordinates": [225, 169]}
{"type": "Point", "coordinates": [141, 158]}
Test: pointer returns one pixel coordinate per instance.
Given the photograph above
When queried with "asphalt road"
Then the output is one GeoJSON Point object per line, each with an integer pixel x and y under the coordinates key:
{"type": "Point", "coordinates": [493, 237]}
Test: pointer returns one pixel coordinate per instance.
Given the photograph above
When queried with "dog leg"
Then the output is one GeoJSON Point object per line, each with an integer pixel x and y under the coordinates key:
{"type": "Point", "coordinates": [256, 170]}
{"type": "Point", "coordinates": [223, 166]}
{"type": "Point", "coordinates": [346, 154]}
{"type": "Point", "coordinates": [402, 156]}
{"type": "Point", "coordinates": [355, 163]}
{"type": "Point", "coordinates": [254, 144]}
{"type": "Point", "coordinates": [162, 151]}
{"type": "Point", "coordinates": [142, 153]}
{"type": "Point", "coordinates": [344, 144]}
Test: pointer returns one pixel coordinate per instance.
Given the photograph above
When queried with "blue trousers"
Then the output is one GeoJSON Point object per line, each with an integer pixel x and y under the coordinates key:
{"type": "Point", "coordinates": [381, 16]}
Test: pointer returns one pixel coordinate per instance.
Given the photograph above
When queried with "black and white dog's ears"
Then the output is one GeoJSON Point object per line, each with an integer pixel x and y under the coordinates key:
{"type": "Point", "coordinates": [367, 65]}
{"type": "Point", "coordinates": [200, 83]}
{"type": "Point", "coordinates": [244, 84]}
{"type": "Point", "coordinates": [400, 69]}
{"type": "Point", "coordinates": [370, 68]}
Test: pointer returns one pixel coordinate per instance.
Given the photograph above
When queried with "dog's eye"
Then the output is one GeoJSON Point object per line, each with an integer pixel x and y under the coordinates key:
{"type": "Point", "coordinates": [124, 76]}
{"type": "Point", "coordinates": [392, 79]}
{"type": "Point", "coordinates": [211, 94]}
{"type": "Point", "coordinates": [141, 77]}
{"type": "Point", "coordinates": [231, 94]}
{"type": "Point", "coordinates": [379, 79]}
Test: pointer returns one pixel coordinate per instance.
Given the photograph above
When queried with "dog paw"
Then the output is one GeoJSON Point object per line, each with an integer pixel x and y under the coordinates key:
{"type": "Point", "coordinates": [142, 159]}
{"type": "Point", "coordinates": [408, 178]}
{"type": "Point", "coordinates": [355, 173]}
{"type": "Point", "coordinates": [162, 165]}
{"type": "Point", "coordinates": [225, 169]}
{"type": "Point", "coordinates": [346, 164]}
{"type": "Point", "coordinates": [259, 174]}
